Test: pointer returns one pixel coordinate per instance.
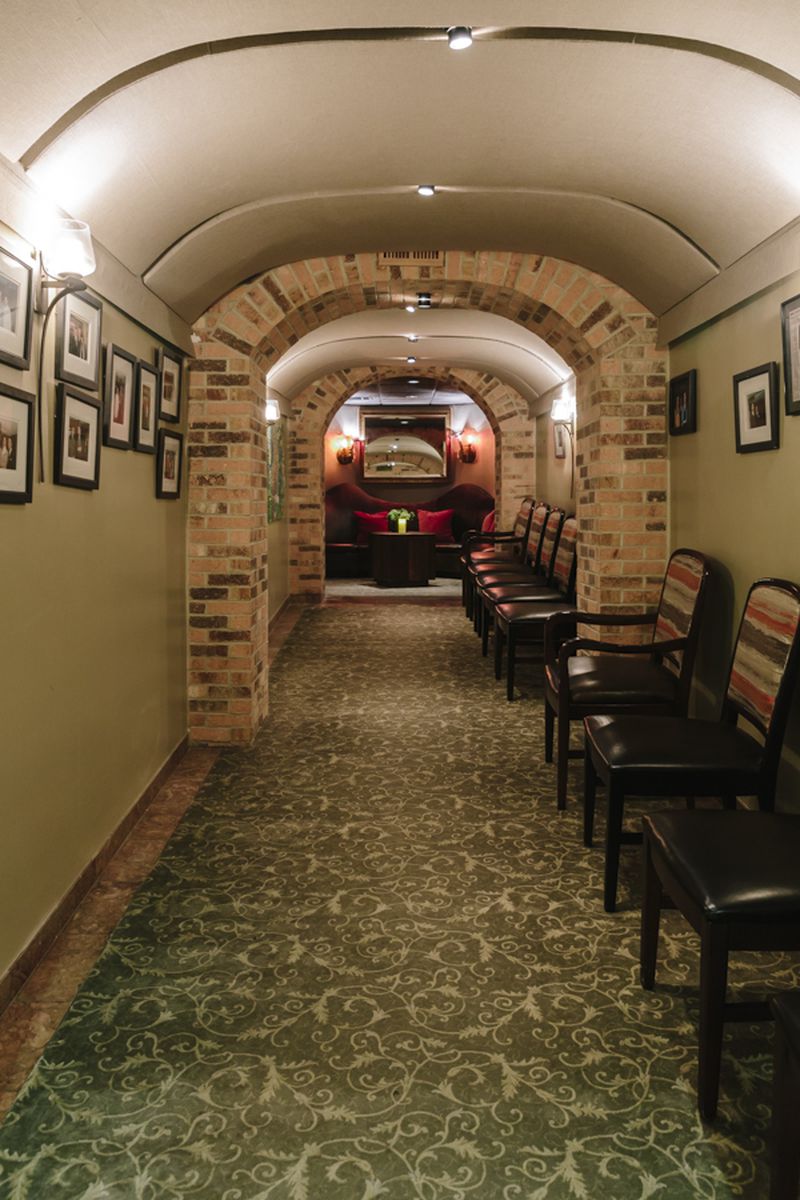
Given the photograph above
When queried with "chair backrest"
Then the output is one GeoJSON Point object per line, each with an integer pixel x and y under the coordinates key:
{"type": "Point", "coordinates": [522, 520]}
{"type": "Point", "coordinates": [765, 661]}
{"type": "Point", "coordinates": [566, 559]}
{"type": "Point", "coordinates": [547, 555]}
{"type": "Point", "coordinates": [680, 608]}
{"type": "Point", "coordinates": [536, 533]}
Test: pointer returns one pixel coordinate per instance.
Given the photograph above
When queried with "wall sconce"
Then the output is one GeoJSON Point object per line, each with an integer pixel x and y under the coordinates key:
{"type": "Point", "coordinates": [467, 448]}
{"type": "Point", "coordinates": [272, 412]}
{"type": "Point", "coordinates": [562, 415]}
{"type": "Point", "coordinates": [345, 451]}
{"type": "Point", "coordinates": [66, 259]}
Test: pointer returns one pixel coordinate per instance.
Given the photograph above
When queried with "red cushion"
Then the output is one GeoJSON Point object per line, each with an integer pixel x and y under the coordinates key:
{"type": "Point", "coordinates": [488, 523]}
{"type": "Point", "coordinates": [367, 523]}
{"type": "Point", "coordinates": [440, 523]}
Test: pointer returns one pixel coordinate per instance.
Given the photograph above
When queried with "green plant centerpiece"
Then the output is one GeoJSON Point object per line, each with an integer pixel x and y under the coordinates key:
{"type": "Point", "coordinates": [400, 519]}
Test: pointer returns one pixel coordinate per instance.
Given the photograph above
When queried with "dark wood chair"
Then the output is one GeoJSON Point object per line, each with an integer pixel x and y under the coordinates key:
{"type": "Point", "coordinates": [651, 756]}
{"type": "Point", "coordinates": [785, 1138]}
{"type": "Point", "coordinates": [500, 546]}
{"type": "Point", "coordinates": [535, 572]}
{"type": "Point", "coordinates": [649, 678]}
{"type": "Point", "coordinates": [521, 622]}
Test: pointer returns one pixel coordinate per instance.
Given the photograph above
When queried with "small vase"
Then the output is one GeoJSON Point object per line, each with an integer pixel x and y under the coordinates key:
{"type": "Point", "coordinates": [401, 524]}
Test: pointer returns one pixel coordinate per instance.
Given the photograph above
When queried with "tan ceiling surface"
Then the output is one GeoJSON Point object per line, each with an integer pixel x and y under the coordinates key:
{"type": "Point", "coordinates": [655, 165]}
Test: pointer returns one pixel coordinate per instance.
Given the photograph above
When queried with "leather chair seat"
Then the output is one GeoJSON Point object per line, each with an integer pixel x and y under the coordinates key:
{"type": "Point", "coordinates": [735, 864]}
{"type": "Point", "coordinates": [616, 680]}
{"type": "Point", "coordinates": [529, 614]}
{"type": "Point", "coordinates": [786, 1007]}
{"type": "Point", "coordinates": [494, 554]}
{"type": "Point", "coordinates": [498, 593]}
{"type": "Point", "coordinates": [673, 746]}
{"type": "Point", "coordinates": [509, 579]}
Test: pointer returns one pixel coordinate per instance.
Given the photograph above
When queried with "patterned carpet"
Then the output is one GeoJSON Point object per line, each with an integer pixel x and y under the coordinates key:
{"type": "Point", "coordinates": [373, 962]}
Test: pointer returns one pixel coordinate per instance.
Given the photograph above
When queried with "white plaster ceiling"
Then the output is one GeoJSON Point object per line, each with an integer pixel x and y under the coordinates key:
{"type": "Point", "coordinates": [461, 338]}
{"type": "Point", "coordinates": [655, 162]}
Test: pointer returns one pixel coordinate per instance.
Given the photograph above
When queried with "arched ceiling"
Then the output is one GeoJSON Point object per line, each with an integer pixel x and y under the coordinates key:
{"type": "Point", "coordinates": [207, 141]}
{"type": "Point", "coordinates": [474, 340]}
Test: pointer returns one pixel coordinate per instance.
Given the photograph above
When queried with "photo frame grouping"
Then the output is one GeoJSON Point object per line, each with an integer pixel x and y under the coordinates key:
{"type": "Point", "coordinates": [755, 407]}
{"type": "Point", "coordinates": [169, 464]}
{"type": "Point", "coordinates": [79, 418]}
{"type": "Point", "coordinates": [16, 445]}
{"type": "Point", "coordinates": [790, 332]}
{"type": "Point", "coordinates": [16, 310]}
{"type": "Point", "coordinates": [682, 404]}
{"type": "Point", "coordinates": [78, 340]}
{"type": "Point", "coordinates": [169, 396]}
{"type": "Point", "coordinates": [145, 420]}
{"type": "Point", "coordinates": [120, 395]}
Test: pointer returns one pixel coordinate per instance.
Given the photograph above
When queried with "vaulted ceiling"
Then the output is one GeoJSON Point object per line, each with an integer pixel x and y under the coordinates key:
{"type": "Point", "coordinates": [205, 141]}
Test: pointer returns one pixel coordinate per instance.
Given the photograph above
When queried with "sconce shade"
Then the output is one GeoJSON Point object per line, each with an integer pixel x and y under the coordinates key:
{"type": "Point", "coordinates": [272, 412]}
{"type": "Point", "coordinates": [344, 450]}
{"type": "Point", "coordinates": [563, 408]}
{"type": "Point", "coordinates": [69, 250]}
{"type": "Point", "coordinates": [467, 451]}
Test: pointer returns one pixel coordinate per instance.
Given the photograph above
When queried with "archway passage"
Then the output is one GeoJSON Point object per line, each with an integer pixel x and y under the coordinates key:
{"type": "Point", "coordinates": [603, 333]}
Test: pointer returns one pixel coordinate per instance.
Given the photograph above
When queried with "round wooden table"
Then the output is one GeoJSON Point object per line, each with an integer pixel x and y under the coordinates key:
{"type": "Point", "coordinates": [402, 559]}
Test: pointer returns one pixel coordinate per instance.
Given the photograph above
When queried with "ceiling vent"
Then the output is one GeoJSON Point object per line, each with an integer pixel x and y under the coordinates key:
{"type": "Point", "coordinates": [411, 258]}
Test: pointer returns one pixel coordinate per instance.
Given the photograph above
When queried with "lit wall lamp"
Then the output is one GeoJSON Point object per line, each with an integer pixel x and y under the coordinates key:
{"type": "Point", "coordinates": [272, 412]}
{"type": "Point", "coordinates": [66, 259]}
{"type": "Point", "coordinates": [562, 414]}
{"type": "Point", "coordinates": [467, 448]}
{"type": "Point", "coordinates": [345, 451]}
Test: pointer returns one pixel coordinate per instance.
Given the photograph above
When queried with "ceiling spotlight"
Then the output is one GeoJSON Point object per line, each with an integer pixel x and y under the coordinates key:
{"type": "Point", "coordinates": [411, 308]}
{"type": "Point", "coordinates": [459, 37]}
{"type": "Point", "coordinates": [426, 189]}
{"type": "Point", "coordinates": [424, 300]}
{"type": "Point", "coordinates": [412, 381]}
{"type": "Point", "coordinates": [411, 359]}
{"type": "Point", "coordinates": [413, 337]}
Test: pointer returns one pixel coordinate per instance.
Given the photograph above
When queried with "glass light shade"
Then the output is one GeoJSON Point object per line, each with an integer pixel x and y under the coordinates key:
{"type": "Point", "coordinates": [459, 37]}
{"type": "Point", "coordinates": [272, 412]}
{"type": "Point", "coordinates": [563, 408]}
{"type": "Point", "coordinates": [426, 189]}
{"type": "Point", "coordinates": [69, 250]}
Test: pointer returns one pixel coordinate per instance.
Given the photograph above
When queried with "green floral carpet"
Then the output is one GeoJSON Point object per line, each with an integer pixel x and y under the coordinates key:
{"type": "Point", "coordinates": [373, 962]}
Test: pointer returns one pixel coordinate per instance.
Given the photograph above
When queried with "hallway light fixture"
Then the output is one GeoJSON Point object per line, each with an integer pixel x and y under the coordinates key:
{"type": "Point", "coordinates": [411, 359]}
{"type": "Point", "coordinates": [66, 258]}
{"type": "Point", "coordinates": [562, 414]}
{"type": "Point", "coordinates": [459, 37]}
{"type": "Point", "coordinates": [272, 412]}
{"type": "Point", "coordinates": [424, 300]}
{"type": "Point", "coordinates": [413, 337]}
{"type": "Point", "coordinates": [412, 308]}
{"type": "Point", "coordinates": [344, 450]}
{"type": "Point", "coordinates": [467, 448]}
{"type": "Point", "coordinates": [426, 189]}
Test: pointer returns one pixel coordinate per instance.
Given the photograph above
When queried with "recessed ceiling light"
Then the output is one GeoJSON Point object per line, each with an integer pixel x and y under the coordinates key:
{"type": "Point", "coordinates": [413, 381]}
{"type": "Point", "coordinates": [411, 359]}
{"type": "Point", "coordinates": [424, 300]}
{"type": "Point", "coordinates": [411, 308]}
{"type": "Point", "coordinates": [413, 337]}
{"type": "Point", "coordinates": [426, 189]}
{"type": "Point", "coordinates": [459, 37]}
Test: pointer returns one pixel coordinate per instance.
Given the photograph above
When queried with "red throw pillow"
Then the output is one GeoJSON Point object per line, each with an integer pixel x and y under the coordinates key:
{"type": "Point", "coordinates": [440, 523]}
{"type": "Point", "coordinates": [367, 523]}
{"type": "Point", "coordinates": [487, 525]}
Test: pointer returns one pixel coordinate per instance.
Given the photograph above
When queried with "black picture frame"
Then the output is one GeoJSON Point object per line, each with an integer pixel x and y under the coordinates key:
{"type": "Point", "coordinates": [119, 397]}
{"type": "Point", "coordinates": [755, 408]}
{"type": "Point", "coordinates": [16, 310]}
{"type": "Point", "coordinates": [169, 469]}
{"type": "Point", "coordinates": [682, 404]}
{"type": "Point", "coordinates": [79, 340]}
{"type": "Point", "coordinates": [79, 428]}
{"type": "Point", "coordinates": [790, 336]}
{"type": "Point", "coordinates": [17, 417]}
{"type": "Point", "coordinates": [170, 369]}
{"type": "Point", "coordinates": [145, 419]}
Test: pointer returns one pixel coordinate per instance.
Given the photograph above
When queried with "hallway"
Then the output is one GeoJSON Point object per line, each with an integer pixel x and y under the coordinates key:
{"type": "Point", "coordinates": [372, 961]}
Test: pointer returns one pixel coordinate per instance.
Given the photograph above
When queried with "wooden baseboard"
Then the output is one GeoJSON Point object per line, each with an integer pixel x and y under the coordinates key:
{"type": "Point", "coordinates": [28, 960]}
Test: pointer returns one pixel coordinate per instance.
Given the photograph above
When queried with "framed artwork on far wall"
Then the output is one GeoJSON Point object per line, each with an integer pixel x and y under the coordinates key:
{"type": "Point", "coordinates": [78, 335]}
{"type": "Point", "coordinates": [119, 398]}
{"type": "Point", "coordinates": [146, 409]}
{"type": "Point", "coordinates": [682, 409]}
{"type": "Point", "coordinates": [79, 420]}
{"type": "Point", "coordinates": [169, 464]}
{"type": "Point", "coordinates": [16, 446]}
{"type": "Point", "coordinates": [790, 328]}
{"type": "Point", "coordinates": [16, 310]}
{"type": "Point", "coordinates": [755, 407]}
{"type": "Point", "coordinates": [169, 396]}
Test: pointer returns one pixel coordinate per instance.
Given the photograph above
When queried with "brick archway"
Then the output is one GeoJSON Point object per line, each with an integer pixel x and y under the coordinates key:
{"type": "Point", "coordinates": [314, 409]}
{"type": "Point", "coordinates": [606, 335]}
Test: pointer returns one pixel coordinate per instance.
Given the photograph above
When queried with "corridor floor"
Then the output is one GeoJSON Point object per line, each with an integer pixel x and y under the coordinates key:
{"type": "Point", "coordinates": [372, 962]}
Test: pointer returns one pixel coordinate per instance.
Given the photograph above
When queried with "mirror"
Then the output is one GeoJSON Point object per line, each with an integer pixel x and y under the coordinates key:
{"type": "Point", "coordinates": [405, 444]}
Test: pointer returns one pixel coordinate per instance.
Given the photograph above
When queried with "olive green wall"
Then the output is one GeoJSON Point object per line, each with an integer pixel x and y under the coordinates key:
{"type": "Point", "coordinates": [93, 679]}
{"type": "Point", "coordinates": [277, 566]}
{"type": "Point", "coordinates": [740, 508]}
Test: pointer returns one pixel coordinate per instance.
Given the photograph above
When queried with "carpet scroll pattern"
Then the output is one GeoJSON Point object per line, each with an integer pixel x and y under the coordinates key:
{"type": "Point", "coordinates": [373, 962]}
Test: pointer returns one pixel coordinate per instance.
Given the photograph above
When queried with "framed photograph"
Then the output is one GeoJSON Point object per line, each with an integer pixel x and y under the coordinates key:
{"type": "Point", "coordinates": [169, 464]}
{"type": "Point", "coordinates": [78, 340]}
{"type": "Point", "coordinates": [682, 410]}
{"type": "Point", "coordinates": [559, 440]}
{"type": "Point", "coordinates": [169, 396]}
{"type": "Point", "coordinates": [78, 434]}
{"type": "Point", "coordinates": [16, 310]}
{"type": "Point", "coordinates": [755, 407]}
{"type": "Point", "coordinates": [146, 408]}
{"type": "Point", "coordinates": [790, 327]}
{"type": "Point", "coordinates": [16, 446]}
{"type": "Point", "coordinates": [119, 398]}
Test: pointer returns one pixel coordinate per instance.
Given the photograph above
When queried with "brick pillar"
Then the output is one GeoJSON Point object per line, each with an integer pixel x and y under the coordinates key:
{"type": "Point", "coordinates": [622, 475]}
{"type": "Point", "coordinates": [227, 546]}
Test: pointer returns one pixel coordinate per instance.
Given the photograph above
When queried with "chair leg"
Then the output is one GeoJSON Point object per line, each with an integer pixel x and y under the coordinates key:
{"type": "Point", "coordinates": [589, 794]}
{"type": "Point", "coordinates": [615, 801]}
{"type": "Point", "coordinates": [511, 662]}
{"type": "Point", "coordinates": [498, 650]}
{"type": "Point", "coordinates": [486, 625]}
{"type": "Point", "coordinates": [713, 981]}
{"type": "Point", "coordinates": [652, 893]}
{"type": "Point", "coordinates": [729, 800]}
{"type": "Point", "coordinates": [784, 1142]}
{"type": "Point", "coordinates": [562, 763]}
{"type": "Point", "coordinates": [468, 597]}
{"type": "Point", "coordinates": [549, 722]}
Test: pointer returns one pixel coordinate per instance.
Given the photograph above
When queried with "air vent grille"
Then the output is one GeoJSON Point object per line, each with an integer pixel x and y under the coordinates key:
{"type": "Point", "coordinates": [417, 258]}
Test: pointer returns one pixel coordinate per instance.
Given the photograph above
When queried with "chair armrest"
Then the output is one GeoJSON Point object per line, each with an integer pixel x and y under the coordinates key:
{"type": "Point", "coordinates": [570, 648]}
{"type": "Point", "coordinates": [588, 618]}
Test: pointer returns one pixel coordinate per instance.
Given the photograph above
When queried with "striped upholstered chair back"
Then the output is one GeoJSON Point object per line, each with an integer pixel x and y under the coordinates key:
{"type": "Point", "coordinates": [680, 609]}
{"type": "Point", "coordinates": [765, 658]}
{"type": "Point", "coordinates": [552, 530]}
{"type": "Point", "coordinates": [564, 567]}
{"type": "Point", "coordinates": [535, 533]}
{"type": "Point", "coordinates": [523, 518]}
